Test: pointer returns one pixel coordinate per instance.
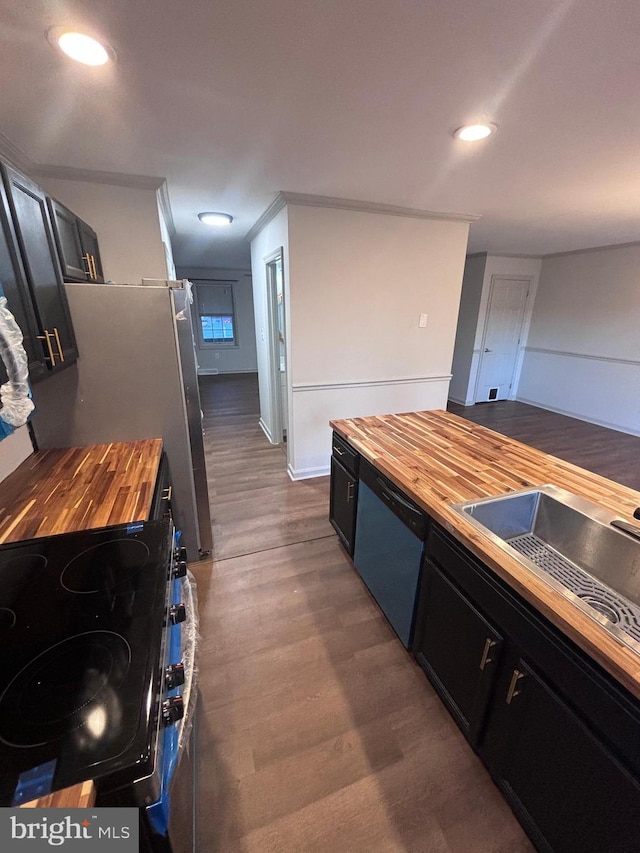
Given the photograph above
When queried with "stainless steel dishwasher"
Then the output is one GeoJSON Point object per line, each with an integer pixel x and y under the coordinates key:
{"type": "Point", "coordinates": [390, 533]}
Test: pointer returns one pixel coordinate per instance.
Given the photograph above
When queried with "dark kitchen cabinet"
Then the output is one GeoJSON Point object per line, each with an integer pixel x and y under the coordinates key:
{"type": "Point", "coordinates": [161, 506]}
{"type": "Point", "coordinates": [343, 495]}
{"type": "Point", "coordinates": [34, 245]}
{"type": "Point", "coordinates": [569, 792]}
{"type": "Point", "coordinates": [77, 245]}
{"type": "Point", "coordinates": [458, 648]}
{"type": "Point", "coordinates": [14, 287]}
{"type": "Point", "coordinates": [560, 737]}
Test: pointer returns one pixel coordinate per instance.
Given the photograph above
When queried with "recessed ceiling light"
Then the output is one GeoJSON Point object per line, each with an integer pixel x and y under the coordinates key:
{"type": "Point", "coordinates": [216, 219]}
{"type": "Point", "coordinates": [474, 132]}
{"type": "Point", "coordinates": [81, 47]}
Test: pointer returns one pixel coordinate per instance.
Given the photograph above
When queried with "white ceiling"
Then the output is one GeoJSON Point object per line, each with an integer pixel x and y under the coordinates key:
{"type": "Point", "coordinates": [234, 100]}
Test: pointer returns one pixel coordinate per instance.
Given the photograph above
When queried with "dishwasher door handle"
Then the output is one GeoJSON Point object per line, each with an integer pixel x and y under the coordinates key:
{"type": "Point", "coordinates": [389, 493]}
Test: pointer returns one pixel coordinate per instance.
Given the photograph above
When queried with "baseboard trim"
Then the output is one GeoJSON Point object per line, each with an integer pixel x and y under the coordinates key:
{"type": "Point", "coordinates": [578, 417]}
{"type": "Point", "coordinates": [265, 429]}
{"type": "Point", "coordinates": [461, 402]}
{"type": "Point", "coordinates": [307, 473]}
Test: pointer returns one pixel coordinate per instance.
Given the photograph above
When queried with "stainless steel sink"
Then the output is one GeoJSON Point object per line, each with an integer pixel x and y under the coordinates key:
{"type": "Point", "coordinates": [568, 542]}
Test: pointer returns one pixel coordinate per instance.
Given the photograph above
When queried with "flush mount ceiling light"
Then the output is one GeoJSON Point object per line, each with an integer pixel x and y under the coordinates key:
{"type": "Point", "coordinates": [81, 47]}
{"type": "Point", "coordinates": [474, 132]}
{"type": "Point", "coordinates": [218, 220]}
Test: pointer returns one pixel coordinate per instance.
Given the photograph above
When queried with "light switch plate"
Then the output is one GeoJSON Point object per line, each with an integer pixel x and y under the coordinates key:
{"type": "Point", "coordinates": [422, 322]}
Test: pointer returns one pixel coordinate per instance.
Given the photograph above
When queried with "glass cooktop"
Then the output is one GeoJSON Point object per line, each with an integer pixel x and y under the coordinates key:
{"type": "Point", "coordinates": [81, 629]}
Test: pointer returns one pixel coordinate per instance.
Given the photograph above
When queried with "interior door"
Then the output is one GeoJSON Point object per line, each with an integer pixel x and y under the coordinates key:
{"type": "Point", "coordinates": [505, 315]}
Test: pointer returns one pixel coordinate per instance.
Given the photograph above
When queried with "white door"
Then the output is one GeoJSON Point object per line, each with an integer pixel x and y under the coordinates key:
{"type": "Point", "coordinates": [505, 315]}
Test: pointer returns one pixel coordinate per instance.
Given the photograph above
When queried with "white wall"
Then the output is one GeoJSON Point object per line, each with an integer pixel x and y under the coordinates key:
{"type": "Point", "coordinates": [273, 236]}
{"type": "Point", "coordinates": [358, 282]}
{"type": "Point", "coordinates": [127, 222]}
{"type": "Point", "coordinates": [583, 353]}
{"type": "Point", "coordinates": [475, 298]}
{"type": "Point", "coordinates": [224, 359]}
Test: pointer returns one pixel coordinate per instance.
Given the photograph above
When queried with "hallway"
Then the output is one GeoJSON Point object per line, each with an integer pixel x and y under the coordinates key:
{"type": "Point", "coordinates": [318, 732]}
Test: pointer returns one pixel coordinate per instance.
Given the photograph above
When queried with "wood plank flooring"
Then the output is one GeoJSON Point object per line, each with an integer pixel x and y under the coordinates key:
{"type": "Point", "coordinates": [318, 731]}
{"type": "Point", "coordinates": [612, 454]}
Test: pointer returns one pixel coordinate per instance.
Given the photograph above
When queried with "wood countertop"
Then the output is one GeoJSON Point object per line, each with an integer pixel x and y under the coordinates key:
{"type": "Point", "coordinates": [78, 488]}
{"type": "Point", "coordinates": [439, 459]}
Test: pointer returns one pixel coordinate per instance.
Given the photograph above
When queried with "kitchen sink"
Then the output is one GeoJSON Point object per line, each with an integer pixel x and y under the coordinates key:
{"type": "Point", "coordinates": [569, 543]}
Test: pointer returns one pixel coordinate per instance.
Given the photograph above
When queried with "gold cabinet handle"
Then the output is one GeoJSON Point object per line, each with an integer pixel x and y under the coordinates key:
{"type": "Point", "coordinates": [349, 492]}
{"type": "Point", "coordinates": [338, 451]}
{"type": "Point", "coordinates": [168, 493]}
{"type": "Point", "coordinates": [93, 267]}
{"type": "Point", "coordinates": [47, 337]}
{"type": "Point", "coordinates": [485, 659]}
{"type": "Point", "coordinates": [515, 678]}
{"type": "Point", "coordinates": [87, 258]}
{"type": "Point", "coordinates": [59, 345]}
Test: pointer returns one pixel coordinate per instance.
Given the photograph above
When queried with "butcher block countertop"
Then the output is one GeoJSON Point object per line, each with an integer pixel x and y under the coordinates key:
{"type": "Point", "coordinates": [78, 488]}
{"type": "Point", "coordinates": [439, 459]}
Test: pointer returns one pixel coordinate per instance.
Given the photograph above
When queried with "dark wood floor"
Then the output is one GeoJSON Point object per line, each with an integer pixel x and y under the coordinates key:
{"type": "Point", "coordinates": [615, 455]}
{"type": "Point", "coordinates": [318, 731]}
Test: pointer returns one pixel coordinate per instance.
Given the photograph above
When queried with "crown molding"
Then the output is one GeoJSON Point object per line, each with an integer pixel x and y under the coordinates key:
{"type": "Point", "coordinates": [592, 249]}
{"type": "Point", "coordinates": [270, 213]}
{"type": "Point", "coordinates": [117, 179]}
{"type": "Point", "coordinates": [285, 198]}
{"type": "Point", "coordinates": [165, 206]}
{"type": "Point", "coordinates": [15, 156]}
{"type": "Point", "coordinates": [374, 207]}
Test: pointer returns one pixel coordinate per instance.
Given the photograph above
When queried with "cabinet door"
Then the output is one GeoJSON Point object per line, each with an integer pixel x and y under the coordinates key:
{"type": "Point", "coordinates": [40, 261]}
{"type": "Point", "coordinates": [67, 237]}
{"type": "Point", "coordinates": [342, 503]}
{"type": "Point", "coordinates": [90, 251]}
{"type": "Point", "coordinates": [570, 793]}
{"type": "Point", "coordinates": [14, 286]}
{"type": "Point", "coordinates": [458, 648]}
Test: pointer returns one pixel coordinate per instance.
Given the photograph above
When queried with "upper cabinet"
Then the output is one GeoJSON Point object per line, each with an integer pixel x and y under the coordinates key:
{"type": "Point", "coordinates": [34, 286]}
{"type": "Point", "coordinates": [77, 245]}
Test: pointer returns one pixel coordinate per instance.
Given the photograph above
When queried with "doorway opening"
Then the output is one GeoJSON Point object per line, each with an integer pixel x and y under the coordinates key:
{"type": "Point", "coordinates": [278, 347]}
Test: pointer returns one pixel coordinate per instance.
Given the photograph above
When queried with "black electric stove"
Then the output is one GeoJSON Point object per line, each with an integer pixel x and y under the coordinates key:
{"type": "Point", "coordinates": [82, 619]}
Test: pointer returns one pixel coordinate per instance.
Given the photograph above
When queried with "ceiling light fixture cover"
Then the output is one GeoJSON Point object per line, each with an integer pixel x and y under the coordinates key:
{"type": "Point", "coordinates": [219, 220]}
{"type": "Point", "coordinates": [474, 132]}
{"type": "Point", "coordinates": [81, 47]}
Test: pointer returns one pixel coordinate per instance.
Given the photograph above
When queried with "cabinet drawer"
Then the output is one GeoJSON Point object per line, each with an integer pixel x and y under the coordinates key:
{"type": "Point", "coordinates": [345, 454]}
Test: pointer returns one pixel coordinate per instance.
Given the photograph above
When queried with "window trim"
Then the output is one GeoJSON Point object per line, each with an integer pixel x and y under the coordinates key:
{"type": "Point", "coordinates": [210, 282]}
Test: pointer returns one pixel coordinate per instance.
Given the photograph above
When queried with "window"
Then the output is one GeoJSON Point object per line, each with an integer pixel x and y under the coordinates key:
{"type": "Point", "coordinates": [216, 319]}
{"type": "Point", "coordinates": [217, 328]}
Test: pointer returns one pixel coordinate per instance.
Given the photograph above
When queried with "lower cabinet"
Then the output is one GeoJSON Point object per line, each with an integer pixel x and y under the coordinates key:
{"type": "Point", "coordinates": [342, 503]}
{"type": "Point", "coordinates": [569, 792]}
{"type": "Point", "coordinates": [458, 648]}
{"type": "Point", "coordinates": [559, 736]}
{"type": "Point", "coordinates": [343, 495]}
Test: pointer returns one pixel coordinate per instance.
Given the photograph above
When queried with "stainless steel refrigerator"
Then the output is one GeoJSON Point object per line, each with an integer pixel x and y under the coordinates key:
{"type": "Point", "coordinates": [136, 378]}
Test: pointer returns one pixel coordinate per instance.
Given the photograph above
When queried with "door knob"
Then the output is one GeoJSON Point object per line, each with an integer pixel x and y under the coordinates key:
{"type": "Point", "coordinates": [486, 349]}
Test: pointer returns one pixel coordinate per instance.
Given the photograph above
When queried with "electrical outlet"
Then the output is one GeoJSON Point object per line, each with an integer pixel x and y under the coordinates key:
{"type": "Point", "coordinates": [217, 355]}
{"type": "Point", "coordinates": [422, 322]}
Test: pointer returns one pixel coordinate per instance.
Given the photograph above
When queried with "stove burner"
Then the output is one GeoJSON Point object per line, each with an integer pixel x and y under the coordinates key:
{"type": "Point", "coordinates": [7, 619]}
{"type": "Point", "coordinates": [104, 566]}
{"type": "Point", "coordinates": [57, 691]}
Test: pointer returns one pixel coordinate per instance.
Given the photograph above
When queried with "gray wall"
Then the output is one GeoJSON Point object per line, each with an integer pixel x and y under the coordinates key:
{"type": "Point", "coordinates": [225, 359]}
{"type": "Point", "coordinates": [583, 351]}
